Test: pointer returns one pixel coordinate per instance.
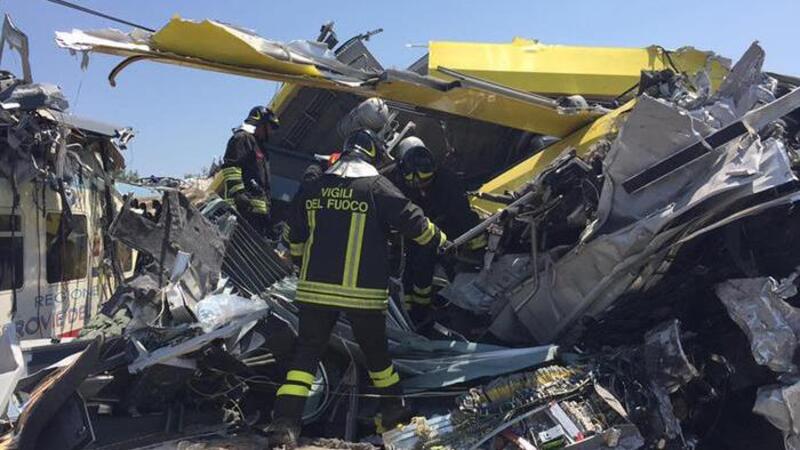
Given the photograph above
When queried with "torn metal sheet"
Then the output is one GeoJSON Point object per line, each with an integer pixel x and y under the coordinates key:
{"type": "Point", "coordinates": [759, 307]}
{"type": "Point", "coordinates": [478, 292]}
{"type": "Point", "coordinates": [50, 395]}
{"type": "Point", "coordinates": [665, 359]}
{"type": "Point", "coordinates": [532, 66]}
{"type": "Point", "coordinates": [427, 363]}
{"type": "Point", "coordinates": [173, 353]}
{"type": "Point", "coordinates": [12, 365]}
{"type": "Point", "coordinates": [780, 405]}
{"type": "Point", "coordinates": [180, 228]}
{"type": "Point", "coordinates": [631, 228]}
{"type": "Point", "coordinates": [447, 371]}
{"type": "Point", "coordinates": [214, 46]}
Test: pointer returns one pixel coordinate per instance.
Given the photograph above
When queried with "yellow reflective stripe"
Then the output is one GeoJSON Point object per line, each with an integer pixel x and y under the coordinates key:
{"type": "Point", "coordinates": [293, 389]}
{"type": "Point", "coordinates": [231, 172]}
{"type": "Point", "coordinates": [418, 299]}
{"type": "Point", "coordinates": [425, 175]}
{"type": "Point", "coordinates": [335, 289]}
{"type": "Point", "coordinates": [426, 235]}
{"type": "Point", "coordinates": [423, 290]}
{"type": "Point", "coordinates": [236, 188]}
{"type": "Point", "coordinates": [352, 259]}
{"type": "Point", "coordinates": [229, 201]}
{"type": "Point", "coordinates": [386, 382]}
{"type": "Point", "coordinates": [312, 224]}
{"type": "Point", "coordinates": [344, 302]}
{"type": "Point", "coordinates": [286, 230]}
{"type": "Point", "coordinates": [259, 205]}
{"type": "Point", "coordinates": [442, 238]}
{"type": "Point", "coordinates": [296, 249]}
{"type": "Point", "coordinates": [300, 376]}
{"type": "Point", "coordinates": [385, 373]}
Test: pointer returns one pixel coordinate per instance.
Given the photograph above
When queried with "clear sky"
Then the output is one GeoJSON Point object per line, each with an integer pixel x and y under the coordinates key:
{"type": "Point", "coordinates": [183, 117]}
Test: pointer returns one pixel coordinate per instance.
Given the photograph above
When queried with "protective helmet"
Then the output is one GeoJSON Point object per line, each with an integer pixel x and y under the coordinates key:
{"type": "Point", "coordinates": [261, 115]}
{"type": "Point", "coordinates": [415, 161]}
{"type": "Point", "coordinates": [363, 144]}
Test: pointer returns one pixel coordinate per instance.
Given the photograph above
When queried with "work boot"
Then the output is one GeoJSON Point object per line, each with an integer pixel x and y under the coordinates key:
{"type": "Point", "coordinates": [282, 433]}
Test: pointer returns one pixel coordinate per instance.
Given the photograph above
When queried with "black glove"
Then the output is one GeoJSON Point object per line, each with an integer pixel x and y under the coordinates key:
{"type": "Point", "coordinates": [242, 202]}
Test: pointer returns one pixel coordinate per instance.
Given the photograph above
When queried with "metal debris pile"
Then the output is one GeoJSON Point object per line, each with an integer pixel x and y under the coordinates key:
{"type": "Point", "coordinates": [639, 288]}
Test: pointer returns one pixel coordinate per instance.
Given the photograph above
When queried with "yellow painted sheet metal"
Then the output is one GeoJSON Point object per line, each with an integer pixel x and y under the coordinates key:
{"type": "Point", "coordinates": [486, 106]}
{"type": "Point", "coordinates": [531, 66]}
{"type": "Point", "coordinates": [213, 46]}
{"type": "Point", "coordinates": [582, 141]}
{"type": "Point", "coordinates": [213, 41]}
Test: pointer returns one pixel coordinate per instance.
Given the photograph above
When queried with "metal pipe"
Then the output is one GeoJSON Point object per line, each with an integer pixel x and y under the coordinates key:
{"type": "Point", "coordinates": [510, 210]}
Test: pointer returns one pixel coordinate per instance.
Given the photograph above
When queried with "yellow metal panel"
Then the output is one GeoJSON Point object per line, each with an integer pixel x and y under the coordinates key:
{"type": "Point", "coordinates": [213, 41]}
{"type": "Point", "coordinates": [558, 69]}
{"type": "Point", "coordinates": [525, 171]}
{"type": "Point", "coordinates": [486, 106]}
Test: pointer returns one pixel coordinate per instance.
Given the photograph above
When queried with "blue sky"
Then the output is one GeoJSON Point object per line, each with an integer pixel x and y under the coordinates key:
{"type": "Point", "coordinates": [183, 117]}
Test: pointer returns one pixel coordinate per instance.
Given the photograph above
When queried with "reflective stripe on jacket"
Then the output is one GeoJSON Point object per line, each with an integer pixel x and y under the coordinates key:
{"type": "Point", "coordinates": [340, 227]}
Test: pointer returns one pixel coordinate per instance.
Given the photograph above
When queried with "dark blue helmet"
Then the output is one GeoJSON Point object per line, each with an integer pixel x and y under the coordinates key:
{"type": "Point", "coordinates": [363, 144]}
{"type": "Point", "coordinates": [261, 115]}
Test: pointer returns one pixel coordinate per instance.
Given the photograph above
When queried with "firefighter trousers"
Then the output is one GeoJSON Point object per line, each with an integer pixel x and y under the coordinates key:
{"type": "Point", "coordinates": [316, 324]}
{"type": "Point", "coordinates": [418, 274]}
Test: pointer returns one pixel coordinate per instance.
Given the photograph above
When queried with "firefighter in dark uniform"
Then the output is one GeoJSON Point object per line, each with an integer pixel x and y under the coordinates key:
{"type": "Point", "coordinates": [442, 196]}
{"type": "Point", "coordinates": [339, 232]}
{"type": "Point", "coordinates": [245, 178]}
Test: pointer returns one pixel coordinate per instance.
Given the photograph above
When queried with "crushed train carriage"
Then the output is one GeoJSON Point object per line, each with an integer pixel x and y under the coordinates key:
{"type": "Point", "coordinates": [638, 215]}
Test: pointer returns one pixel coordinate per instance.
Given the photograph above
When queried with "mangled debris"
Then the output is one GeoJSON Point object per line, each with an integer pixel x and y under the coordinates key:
{"type": "Point", "coordinates": [638, 255]}
{"type": "Point", "coordinates": [57, 200]}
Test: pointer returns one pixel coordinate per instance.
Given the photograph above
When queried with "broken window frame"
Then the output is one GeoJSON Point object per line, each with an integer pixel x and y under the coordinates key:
{"type": "Point", "coordinates": [12, 230]}
{"type": "Point", "coordinates": [80, 224]}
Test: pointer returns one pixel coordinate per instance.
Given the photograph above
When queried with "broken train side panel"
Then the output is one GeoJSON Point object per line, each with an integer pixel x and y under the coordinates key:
{"type": "Point", "coordinates": [60, 281]}
{"type": "Point", "coordinates": [54, 270]}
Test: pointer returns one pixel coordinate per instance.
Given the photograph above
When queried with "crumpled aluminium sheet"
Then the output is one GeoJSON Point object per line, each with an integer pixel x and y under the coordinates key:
{"type": "Point", "coordinates": [758, 306]}
{"type": "Point", "coordinates": [780, 405]}
{"type": "Point", "coordinates": [635, 229]}
{"type": "Point", "coordinates": [425, 363]}
{"type": "Point", "coordinates": [185, 229]}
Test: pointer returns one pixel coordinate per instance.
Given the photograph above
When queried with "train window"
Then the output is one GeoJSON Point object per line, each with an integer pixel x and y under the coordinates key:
{"type": "Point", "coordinates": [11, 273]}
{"type": "Point", "coordinates": [67, 248]}
{"type": "Point", "coordinates": [124, 256]}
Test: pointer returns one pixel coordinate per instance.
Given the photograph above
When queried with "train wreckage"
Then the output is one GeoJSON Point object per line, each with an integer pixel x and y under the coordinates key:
{"type": "Point", "coordinates": [638, 289]}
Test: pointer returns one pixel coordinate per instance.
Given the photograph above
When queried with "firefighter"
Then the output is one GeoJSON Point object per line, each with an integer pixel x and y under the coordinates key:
{"type": "Point", "coordinates": [443, 198]}
{"type": "Point", "coordinates": [339, 237]}
{"type": "Point", "coordinates": [245, 178]}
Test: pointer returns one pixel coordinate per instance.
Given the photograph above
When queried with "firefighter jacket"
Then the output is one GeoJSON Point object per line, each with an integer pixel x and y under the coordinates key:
{"type": "Point", "coordinates": [245, 178]}
{"type": "Point", "coordinates": [339, 226]}
{"type": "Point", "coordinates": [445, 202]}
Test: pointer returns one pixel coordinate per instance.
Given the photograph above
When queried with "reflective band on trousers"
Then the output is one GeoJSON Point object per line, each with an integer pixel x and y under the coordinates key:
{"type": "Point", "coordinates": [300, 376]}
{"type": "Point", "coordinates": [423, 290]}
{"type": "Point", "coordinates": [293, 389]}
{"type": "Point", "coordinates": [385, 378]}
{"type": "Point", "coordinates": [418, 299]}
